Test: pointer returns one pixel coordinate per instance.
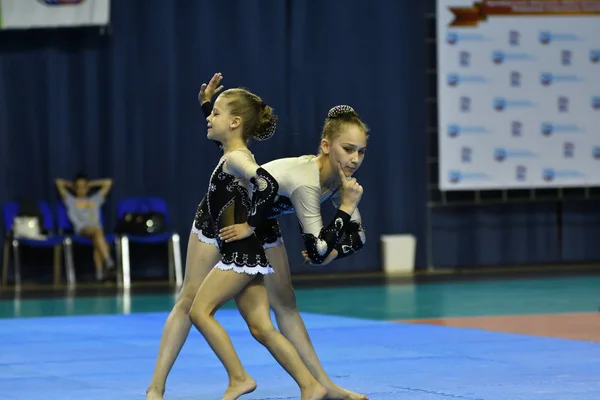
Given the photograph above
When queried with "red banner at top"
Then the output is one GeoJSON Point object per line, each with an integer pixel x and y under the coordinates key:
{"type": "Point", "coordinates": [480, 11]}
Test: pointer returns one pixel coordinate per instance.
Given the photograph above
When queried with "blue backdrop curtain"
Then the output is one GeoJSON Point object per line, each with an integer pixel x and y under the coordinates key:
{"type": "Point", "coordinates": [122, 104]}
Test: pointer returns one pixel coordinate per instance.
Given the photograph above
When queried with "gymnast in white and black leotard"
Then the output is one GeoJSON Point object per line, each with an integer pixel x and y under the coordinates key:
{"type": "Point", "coordinates": [237, 116]}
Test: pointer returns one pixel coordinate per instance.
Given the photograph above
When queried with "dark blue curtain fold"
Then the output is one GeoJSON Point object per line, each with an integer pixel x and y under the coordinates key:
{"type": "Point", "coordinates": [518, 235]}
{"type": "Point", "coordinates": [581, 231]}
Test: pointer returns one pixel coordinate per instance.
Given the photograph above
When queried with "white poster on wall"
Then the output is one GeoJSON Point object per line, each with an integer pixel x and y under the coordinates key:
{"type": "Point", "coordinates": [518, 94]}
{"type": "Point", "coordinates": [29, 14]}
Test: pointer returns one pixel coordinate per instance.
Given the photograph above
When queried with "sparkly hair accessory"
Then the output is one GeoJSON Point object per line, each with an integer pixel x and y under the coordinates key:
{"type": "Point", "coordinates": [267, 131]}
{"type": "Point", "coordinates": [341, 111]}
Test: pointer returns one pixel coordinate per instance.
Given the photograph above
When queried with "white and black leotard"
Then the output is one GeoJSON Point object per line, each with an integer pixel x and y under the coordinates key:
{"type": "Point", "coordinates": [300, 193]}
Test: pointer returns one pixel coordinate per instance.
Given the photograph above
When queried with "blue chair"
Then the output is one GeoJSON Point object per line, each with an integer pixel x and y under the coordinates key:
{"type": "Point", "coordinates": [135, 205]}
{"type": "Point", "coordinates": [65, 227]}
{"type": "Point", "coordinates": [49, 239]}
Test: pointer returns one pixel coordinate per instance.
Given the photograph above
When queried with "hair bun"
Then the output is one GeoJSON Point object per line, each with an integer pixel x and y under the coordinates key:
{"type": "Point", "coordinates": [267, 123]}
{"type": "Point", "coordinates": [341, 111]}
{"type": "Point", "coordinates": [267, 131]}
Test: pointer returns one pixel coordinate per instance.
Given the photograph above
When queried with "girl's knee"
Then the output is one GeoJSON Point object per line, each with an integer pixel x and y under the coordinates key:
{"type": "Point", "coordinates": [186, 297]}
{"type": "Point", "coordinates": [198, 315]}
{"type": "Point", "coordinates": [199, 312]}
{"type": "Point", "coordinates": [262, 332]}
{"type": "Point", "coordinates": [184, 303]}
{"type": "Point", "coordinates": [283, 300]}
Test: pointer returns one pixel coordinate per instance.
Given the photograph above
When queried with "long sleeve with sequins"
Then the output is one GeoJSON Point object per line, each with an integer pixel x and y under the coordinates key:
{"type": "Point", "coordinates": [353, 237]}
{"type": "Point", "coordinates": [319, 240]}
{"type": "Point", "coordinates": [241, 163]}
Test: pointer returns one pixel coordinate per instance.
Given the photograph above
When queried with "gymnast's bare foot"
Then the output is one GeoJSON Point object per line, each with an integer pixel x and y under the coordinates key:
{"type": "Point", "coordinates": [154, 394]}
{"type": "Point", "coordinates": [239, 388]}
{"type": "Point", "coordinates": [315, 392]}
{"type": "Point", "coordinates": [334, 392]}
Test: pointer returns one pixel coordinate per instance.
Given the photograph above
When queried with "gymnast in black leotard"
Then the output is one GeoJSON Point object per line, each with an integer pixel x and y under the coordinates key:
{"type": "Point", "coordinates": [238, 115]}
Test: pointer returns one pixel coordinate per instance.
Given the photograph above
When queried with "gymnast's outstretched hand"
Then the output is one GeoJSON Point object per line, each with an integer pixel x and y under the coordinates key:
{"type": "Point", "coordinates": [208, 91]}
{"type": "Point", "coordinates": [332, 256]}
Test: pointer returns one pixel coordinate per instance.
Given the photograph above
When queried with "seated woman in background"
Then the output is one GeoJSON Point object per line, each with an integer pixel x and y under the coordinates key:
{"type": "Point", "coordinates": [83, 211]}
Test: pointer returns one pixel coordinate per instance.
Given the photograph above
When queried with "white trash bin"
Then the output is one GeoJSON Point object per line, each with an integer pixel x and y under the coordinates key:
{"type": "Point", "coordinates": [398, 253]}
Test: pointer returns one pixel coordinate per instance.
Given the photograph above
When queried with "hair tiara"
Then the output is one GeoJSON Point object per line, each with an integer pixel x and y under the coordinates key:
{"type": "Point", "coordinates": [341, 111]}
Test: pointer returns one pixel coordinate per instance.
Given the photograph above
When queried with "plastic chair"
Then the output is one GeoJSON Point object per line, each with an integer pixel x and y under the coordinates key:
{"type": "Point", "coordinates": [65, 227]}
{"type": "Point", "coordinates": [51, 239]}
{"type": "Point", "coordinates": [144, 205]}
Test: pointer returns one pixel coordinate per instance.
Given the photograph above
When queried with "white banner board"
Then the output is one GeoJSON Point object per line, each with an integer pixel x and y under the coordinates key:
{"type": "Point", "coordinates": [518, 94]}
{"type": "Point", "coordinates": [29, 14]}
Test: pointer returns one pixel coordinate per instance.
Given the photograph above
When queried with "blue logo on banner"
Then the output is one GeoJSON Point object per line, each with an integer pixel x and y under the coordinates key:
{"type": "Point", "coordinates": [548, 128]}
{"type": "Point", "coordinates": [596, 103]}
{"type": "Point", "coordinates": [453, 38]}
{"type": "Point", "coordinates": [546, 37]}
{"type": "Point", "coordinates": [465, 154]}
{"type": "Point", "coordinates": [516, 127]}
{"type": "Point", "coordinates": [549, 174]}
{"type": "Point", "coordinates": [513, 38]}
{"type": "Point", "coordinates": [515, 79]}
{"type": "Point", "coordinates": [454, 130]}
{"type": "Point", "coordinates": [454, 79]}
{"type": "Point", "coordinates": [595, 56]}
{"type": "Point", "coordinates": [596, 152]}
{"type": "Point", "coordinates": [501, 154]}
{"type": "Point", "coordinates": [565, 57]}
{"type": "Point", "coordinates": [456, 176]}
{"type": "Point", "coordinates": [465, 104]}
{"type": "Point", "coordinates": [547, 78]}
{"type": "Point", "coordinates": [521, 172]}
{"type": "Point", "coordinates": [464, 58]}
{"type": "Point", "coordinates": [568, 149]}
{"type": "Point", "coordinates": [563, 104]}
{"type": "Point", "coordinates": [501, 104]}
{"type": "Point", "coordinates": [498, 57]}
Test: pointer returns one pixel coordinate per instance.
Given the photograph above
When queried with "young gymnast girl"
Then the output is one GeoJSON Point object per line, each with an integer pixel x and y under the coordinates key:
{"type": "Point", "coordinates": [237, 116]}
{"type": "Point", "coordinates": [304, 183]}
